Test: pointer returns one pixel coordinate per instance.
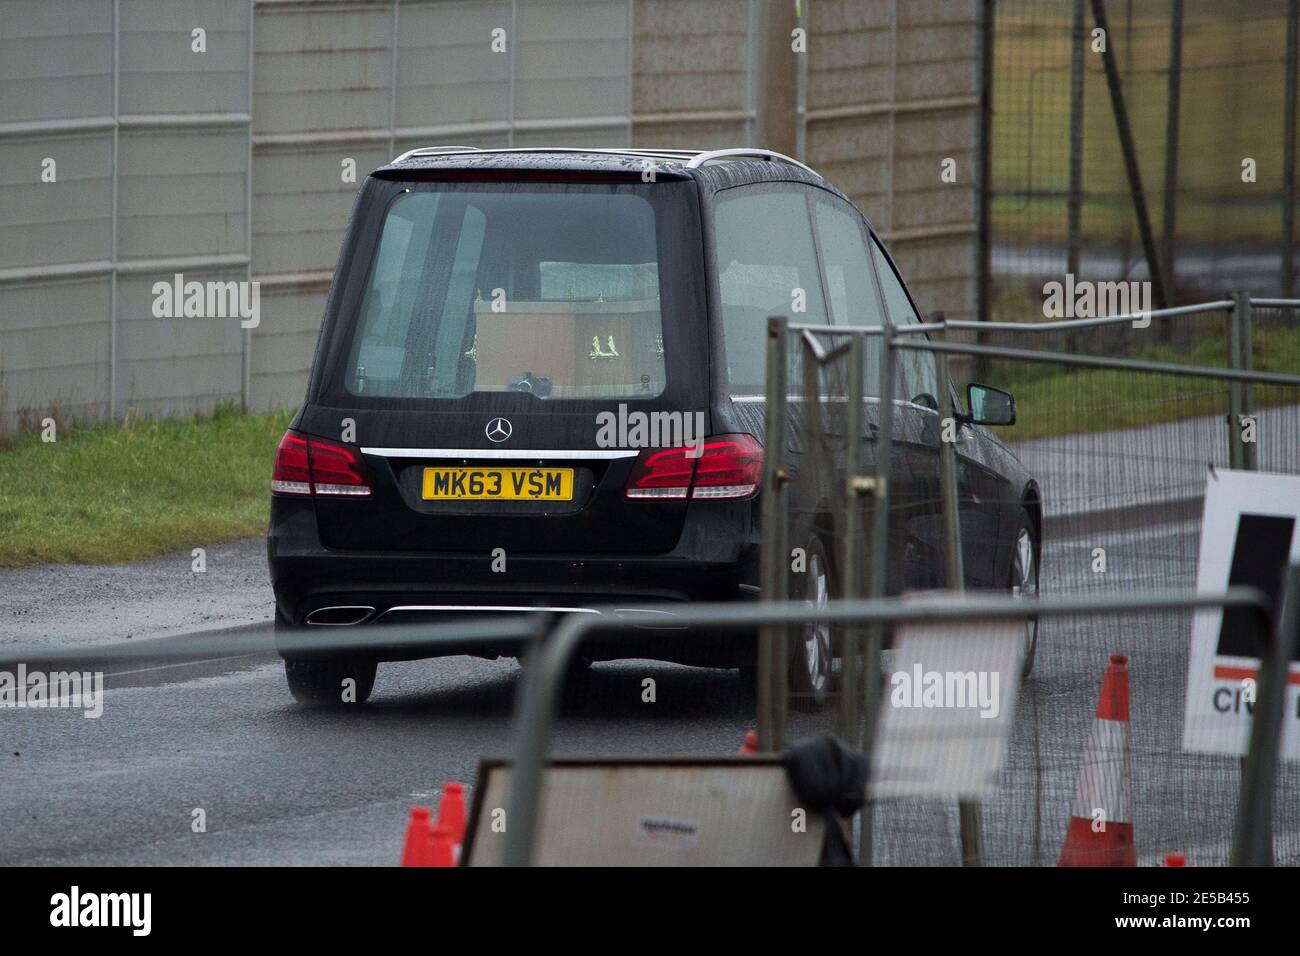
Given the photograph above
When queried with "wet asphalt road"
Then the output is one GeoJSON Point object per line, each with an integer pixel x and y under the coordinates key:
{"type": "Point", "coordinates": [64, 604]}
{"type": "Point", "coordinates": [282, 784]}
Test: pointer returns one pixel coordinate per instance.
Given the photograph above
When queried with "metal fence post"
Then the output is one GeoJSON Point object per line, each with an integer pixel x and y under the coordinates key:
{"type": "Point", "coordinates": [968, 811]}
{"type": "Point", "coordinates": [948, 480]}
{"type": "Point", "coordinates": [1128, 150]}
{"type": "Point", "coordinates": [1241, 455]}
{"type": "Point", "coordinates": [852, 489]}
{"type": "Point", "coordinates": [1252, 836]}
{"type": "Point", "coordinates": [1074, 201]}
{"type": "Point", "coordinates": [113, 214]}
{"type": "Point", "coordinates": [1169, 205]}
{"type": "Point", "coordinates": [879, 566]}
{"type": "Point", "coordinates": [987, 26]}
{"type": "Point", "coordinates": [1289, 148]}
{"type": "Point", "coordinates": [246, 342]}
{"type": "Point", "coordinates": [772, 557]}
{"type": "Point", "coordinates": [1249, 450]}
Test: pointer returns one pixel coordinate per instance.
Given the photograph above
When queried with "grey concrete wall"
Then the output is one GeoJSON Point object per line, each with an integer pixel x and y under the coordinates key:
{"type": "Point", "coordinates": [227, 164]}
{"type": "Point", "coordinates": [150, 142]}
{"type": "Point", "coordinates": [892, 92]}
{"type": "Point", "coordinates": [694, 73]}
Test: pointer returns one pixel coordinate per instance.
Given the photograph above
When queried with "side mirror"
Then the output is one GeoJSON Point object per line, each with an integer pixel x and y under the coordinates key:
{"type": "Point", "coordinates": [989, 405]}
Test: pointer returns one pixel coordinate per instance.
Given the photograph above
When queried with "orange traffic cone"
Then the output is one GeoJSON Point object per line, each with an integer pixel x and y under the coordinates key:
{"type": "Point", "coordinates": [418, 849]}
{"type": "Point", "coordinates": [451, 810]}
{"type": "Point", "coordinates": [1101, 819]}
{"type": "Point", "coordinates": [442, 850]}
{"type": "Point", "coordinates": [750, 746]}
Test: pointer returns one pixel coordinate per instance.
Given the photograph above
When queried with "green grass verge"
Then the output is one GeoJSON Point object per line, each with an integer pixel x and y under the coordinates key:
{"type": "Point", "coordinates": [105, 494]}
{"type": "Point", "coordinates": [1054, 401]}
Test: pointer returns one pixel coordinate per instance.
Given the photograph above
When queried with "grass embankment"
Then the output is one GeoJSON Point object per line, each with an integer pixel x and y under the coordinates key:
{"type": "Point", "coordinates": [1051, 400]}
{"type": "Point", "coordinates": [105, 494]}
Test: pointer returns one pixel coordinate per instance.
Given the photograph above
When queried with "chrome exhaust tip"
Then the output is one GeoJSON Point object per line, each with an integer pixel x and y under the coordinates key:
{"type": "Point", "coordinates": [648, 619]}
{"type": "Point", "coordinates": [340, 615]}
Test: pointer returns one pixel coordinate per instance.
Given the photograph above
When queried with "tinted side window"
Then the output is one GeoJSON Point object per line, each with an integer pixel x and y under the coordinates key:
{"type": "Point", "coordinates": [765, 257]}
{"type": "Point", "coordinates": [916, 368]}
{"type": "Point", "coordinates": [850, 280]}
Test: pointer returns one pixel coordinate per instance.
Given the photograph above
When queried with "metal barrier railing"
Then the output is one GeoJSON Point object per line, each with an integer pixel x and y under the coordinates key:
{"type": "Point", "coordinates": [1070, 324]}
{"type": "Point", "coordinates": [551, 644]}
{"type": "Point", "coordinates": [1252, 842]}
{"type": "Point", "coordinates": [1239, 308]}
{"type": "Point", "coordinates": [855, 481]}
{"type": "Point", "coordinates": [535, 715]}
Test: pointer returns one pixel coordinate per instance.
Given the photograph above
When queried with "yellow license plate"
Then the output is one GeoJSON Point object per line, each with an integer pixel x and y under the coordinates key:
{"type": "Point", "coordinates": [498, 484]}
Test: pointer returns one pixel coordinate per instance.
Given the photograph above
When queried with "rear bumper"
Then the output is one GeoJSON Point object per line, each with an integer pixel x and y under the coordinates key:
{"type": "Point", "coordinates": [708, 564]}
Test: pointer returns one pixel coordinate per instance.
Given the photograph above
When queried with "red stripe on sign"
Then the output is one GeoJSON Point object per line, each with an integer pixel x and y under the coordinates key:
{"type": "Point", "coordinates": [1225, 672]}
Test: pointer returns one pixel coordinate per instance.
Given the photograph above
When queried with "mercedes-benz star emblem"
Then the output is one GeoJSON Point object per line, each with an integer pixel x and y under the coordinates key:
{"type": "Point", "coordinates": [498, 429]}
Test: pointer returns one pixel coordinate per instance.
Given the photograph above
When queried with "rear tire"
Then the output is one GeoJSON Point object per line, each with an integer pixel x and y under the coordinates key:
{"type": "Point", "coordinates": [334, 682]}
{"type": "Point", "coordinates": [326, 681]}
{"type": "Point", "coordinates": [811, 655]}
{"type": "Point", "coordinates": [1023, 582]}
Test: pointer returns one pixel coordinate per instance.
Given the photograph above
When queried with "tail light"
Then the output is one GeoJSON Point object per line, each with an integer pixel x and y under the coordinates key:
{"type": "Point", "coordinates": [304, 466]}
{"type": "Point", "coordinates": [661, 473]}
{"type": "Point", "coordinates": [335, 469]}
{"type": "Point", "coordinates": [292, 473]}
{"type": "Point", "coordinates": [730, 466]}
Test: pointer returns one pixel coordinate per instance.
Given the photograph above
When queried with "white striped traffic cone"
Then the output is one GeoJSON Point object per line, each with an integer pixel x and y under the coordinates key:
{"type": "Point", "coordinates": [1104, 838]}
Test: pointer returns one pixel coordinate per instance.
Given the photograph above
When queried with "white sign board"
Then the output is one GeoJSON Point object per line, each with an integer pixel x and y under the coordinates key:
{"type": "Point", "coordinates": [656, 811]}
{"type": "Point", "coordinates": [1250, 532]}
{"type": "Point", "coordinates": [948, 706]}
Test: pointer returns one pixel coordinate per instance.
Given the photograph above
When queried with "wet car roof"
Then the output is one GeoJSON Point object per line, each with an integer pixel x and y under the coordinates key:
{"type": "Point", "coordinates": [719, 173]}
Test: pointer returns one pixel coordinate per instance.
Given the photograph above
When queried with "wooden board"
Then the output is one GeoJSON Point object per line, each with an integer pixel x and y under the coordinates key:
{"type": "Point", "coordinates": [652, 812]}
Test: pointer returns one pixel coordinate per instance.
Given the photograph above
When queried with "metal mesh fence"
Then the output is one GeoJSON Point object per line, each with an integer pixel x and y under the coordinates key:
{"type": "Point", "coordinates": [1167, 802]}
{"type": "Point", "coordinates": [1275, 346]}
{"type": "Point", "coordinates": [1181, 802]}
{"type": "Point", "coordinates": [820, 454]}
{"type": "Point", "coordinates": [1121, 458]}
{"type": "Point", "coordinates": [1132, 448]}
{"type": "Point", "coordinates": [1204, 87]}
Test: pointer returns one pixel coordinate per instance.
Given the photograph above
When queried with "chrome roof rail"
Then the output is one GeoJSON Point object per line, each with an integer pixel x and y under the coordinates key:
{"type": "Point", "coordinates": [693, 158]}
{"type": "Point", "coordinates": [651, 153]}
{"type": "Point", "coordinates": [670, 154]}
{"type": "Point", "coordinates": [675, 155]}
{"type": "Point", "coordinates": [435, 150]}
{"type": "Point", "coordinates": [744, 152]}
